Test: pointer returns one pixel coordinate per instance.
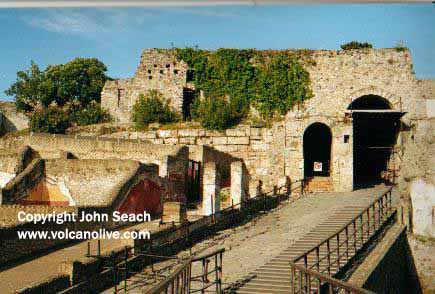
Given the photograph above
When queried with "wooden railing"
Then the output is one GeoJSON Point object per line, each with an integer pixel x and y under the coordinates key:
{"type": "Point", "coordinates": [327, 257]}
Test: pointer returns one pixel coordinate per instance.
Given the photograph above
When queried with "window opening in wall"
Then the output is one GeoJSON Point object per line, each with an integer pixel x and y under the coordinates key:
{"type": "Point", "coordinates": [188, 97]}
{"type": "Point", "coordinates": [149, 71]}
{"type": "Point", "coordinates": [346, 139]}
{"type": "Point", "coordinates": [121, 93]}
{"type": "Point", "coordinates": [168, 65]}
{"type": "Point", "coordinates": [193, 181]}
{"type": "Point", "coordinates": [176, 71]}
{"type": "Point", "coordinates": [150, 77]}
{"type": "Point", "coordinates": [155, 65]}
{"type": "Point", "coordinates": [161, 71]}
{"type": "Point", "coordinates": [189, 75]}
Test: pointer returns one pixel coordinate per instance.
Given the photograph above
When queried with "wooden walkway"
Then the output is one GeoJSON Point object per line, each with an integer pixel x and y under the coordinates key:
{"type": "Point", "coordinates": [275, 276]}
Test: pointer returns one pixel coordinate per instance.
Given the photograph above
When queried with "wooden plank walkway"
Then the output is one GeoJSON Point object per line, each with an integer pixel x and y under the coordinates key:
{"type": "Point", "coordinates": [275, 276]}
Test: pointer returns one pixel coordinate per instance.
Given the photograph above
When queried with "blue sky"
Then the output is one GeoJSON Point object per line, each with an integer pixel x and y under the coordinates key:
{"type": "Point", "coordinates": [116, 36]}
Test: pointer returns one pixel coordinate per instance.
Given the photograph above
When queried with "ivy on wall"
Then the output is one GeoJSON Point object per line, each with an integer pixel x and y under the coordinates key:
{"type": "Point", "coordinates": [271, 81]}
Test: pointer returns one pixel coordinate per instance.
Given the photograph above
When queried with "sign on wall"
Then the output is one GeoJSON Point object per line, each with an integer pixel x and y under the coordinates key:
{"type": "Point", "coordinates": [317, 166]}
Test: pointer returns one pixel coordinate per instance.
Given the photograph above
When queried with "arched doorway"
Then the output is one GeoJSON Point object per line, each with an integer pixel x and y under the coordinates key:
{"type": "Point", "coordinates": [317, 150]}
{"type": "Point", "coordinates": [375, 129]}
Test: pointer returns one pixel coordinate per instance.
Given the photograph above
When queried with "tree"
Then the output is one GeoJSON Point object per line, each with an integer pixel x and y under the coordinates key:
{"type": "Point", "coordinates": [61, 95]}
{"type": "Point", "coordinates": [80, 80]}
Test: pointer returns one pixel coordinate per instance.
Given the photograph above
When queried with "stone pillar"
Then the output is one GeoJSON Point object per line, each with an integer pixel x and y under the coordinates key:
{"type": "Point", "coordinates": [237, 183]}
{"type": "Point", "coordinates": [254, 188]}
{"type": "Point", "coordinates": [174, 212]}
{"type": "Point", "coordinates": [163, 167]}
{"type": "Point", "coordinates": [284, 181]}
{"type": "Point", "coordinates": [211, 189]}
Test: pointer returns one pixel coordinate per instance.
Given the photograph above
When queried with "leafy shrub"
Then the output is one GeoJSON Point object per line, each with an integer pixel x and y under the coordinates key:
{"type": "Point", "coordinates": [53, 119]}
{"type": "Point", "coordinates": [400, 47]}
{"type": "Point", "coordinates": [219, 114]}
{"type": "Point", "coordinates": [89, 115]}
{"type": "Point", "coordinates": [356, 45]}
{"type": "Point", "coordinates": [152, 108]}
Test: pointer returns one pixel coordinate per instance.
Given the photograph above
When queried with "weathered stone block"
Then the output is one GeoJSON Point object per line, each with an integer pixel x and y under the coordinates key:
{"type": "Point", "coordinates": [260, 147]}
{"type": "Point", "coordinates": [238, 141]}
{"type": "Point", "coordinates": [170, 141]}
{"type": "Point", "coordinates": [209, 133]}
{"type": "Point", "coordinates": [204, 141]}
{"type": "Point", "coordinates": [190, 132]}
{"type": "Point", "coordinates": [166, 133]}
{"type": "Point", "coordinates": [147, 135]}
{"type": "Point", "coordinates": [255, 132]}
{"type": "Point", "coordinates": [187, 141]}
{"type": "Point", "coordinates": [236, 132]}
{"type": "Point", "coordinates": [220, 140]}
{"type": "Point", "coordinates": [174, 212]}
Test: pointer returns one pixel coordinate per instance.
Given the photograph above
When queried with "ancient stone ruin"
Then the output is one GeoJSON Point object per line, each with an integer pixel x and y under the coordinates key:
{"type": "Point", "coordinates": [369, 124]}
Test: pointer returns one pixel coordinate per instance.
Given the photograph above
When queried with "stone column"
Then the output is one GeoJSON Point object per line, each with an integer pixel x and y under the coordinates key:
{"type": "Point", "coordinates": [254, 188]}
{"type": "Point", "coordinates": [237, 183]}
{"type": "Point", "coordinates": [284, 181]}
{"type": "Point", "coordinates": [211, 189]}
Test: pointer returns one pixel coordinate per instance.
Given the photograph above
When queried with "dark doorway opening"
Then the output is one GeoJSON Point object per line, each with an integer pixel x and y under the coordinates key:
{"type": "Point", "coordinates": [317, 150]}
{"type": "Point", "coordinates": [188, 97]}
{"type": "Point", "coordinates": [193, 181]}
{"type": "Point", "coordinates": [375, 130]}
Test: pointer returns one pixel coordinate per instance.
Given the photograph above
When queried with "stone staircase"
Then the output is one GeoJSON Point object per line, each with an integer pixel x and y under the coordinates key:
{"type": "Point", "coordinates": [275, 276]}
{"type": "Point", "coordinates": [319, 184]}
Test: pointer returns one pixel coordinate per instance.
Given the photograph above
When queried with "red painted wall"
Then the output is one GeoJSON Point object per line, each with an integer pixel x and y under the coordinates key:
{"type": "Point", "coordinates": [144, 196]}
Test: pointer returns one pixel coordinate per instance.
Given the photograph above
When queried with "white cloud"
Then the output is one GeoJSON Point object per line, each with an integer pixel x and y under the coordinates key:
{"type": "Point", "coordinates": [91, 22]}
{"type": "Point", "coordinates": [61, 21]}
{"type": "Point", "coordinates": [215, 12]}
{"type": "Point", "coordinates": [85, 22]}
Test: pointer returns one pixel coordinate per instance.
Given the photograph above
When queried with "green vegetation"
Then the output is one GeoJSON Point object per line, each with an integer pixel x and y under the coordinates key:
{"type": "Point", "coordinates": [356, 45]}
{"type": "Point", "coordinates": [89, 115]}
{"type": "Point", "coordinates": [400, 47]}
{"type": "Point", "coordinates": [53, 119]}
{"type": "Point", "coordinates": [232, 80]}
{"type": "Point", "coordinates": [152, 108]}
{"type": "Point", "coordinates": [61, 95]}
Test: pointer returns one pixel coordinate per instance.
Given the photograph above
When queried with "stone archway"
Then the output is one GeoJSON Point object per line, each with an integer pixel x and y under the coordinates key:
{"type": "Point", "coordinates": [317, 147]}
{"type": "Point", "coordinates": [376, 126]}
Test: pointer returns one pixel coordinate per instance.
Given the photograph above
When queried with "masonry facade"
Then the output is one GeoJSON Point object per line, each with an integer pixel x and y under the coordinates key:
{"type": "Point", "coordinates": [351, 88]}
{"type": "Point", "coordinates": [158, 70]}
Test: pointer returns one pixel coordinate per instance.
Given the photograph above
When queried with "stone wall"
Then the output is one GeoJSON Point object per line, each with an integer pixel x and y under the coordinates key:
{"type": "Point", "coordinates": [13, 248]}
{"type": "Point", "coordinates": [20, 186]}
{"type": "Point", "coordinates": [422, 250]}
{"type": "Point", "coordinates": [259, 148]}
{"type": "Point", "coordinates": [390, 267]}
{"type": "Point", "coordinates": [11, 120]}
{"type": "Point", "coordinates": [54, 146]}
{"type": "Point", "coordinates": [337, 79]}
{"type": "Point", "coordinates": [158, 70]}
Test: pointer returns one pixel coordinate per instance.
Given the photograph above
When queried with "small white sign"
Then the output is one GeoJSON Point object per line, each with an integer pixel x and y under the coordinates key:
{"type": "Point", "coordinates": [317, 166]}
